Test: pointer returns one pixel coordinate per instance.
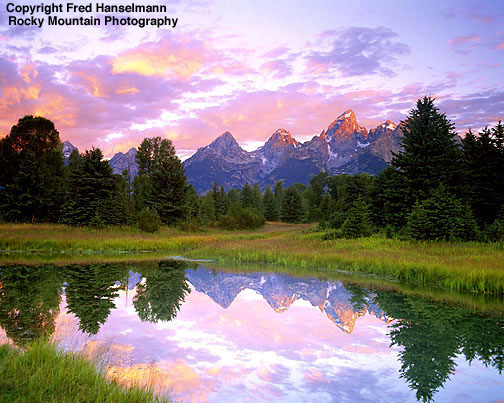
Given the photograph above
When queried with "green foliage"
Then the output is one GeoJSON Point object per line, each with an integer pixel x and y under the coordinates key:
{"type": "Point", "coordinates": [291, 210]}
{"type": "Point", "coordinates": [30, 302]}
{"type": "Point", "coordinates": [94, 193]}
{"type": "Point", "coordinates": [31, 172]}
{"type": "Point", "coordinates": [206, 213]}
{"type": "Point", "coordinates": [247, 197]}
{"type": "Point", "coordinates": [245, 218]}
{"type": "Point", "coordinates": [220, 200]}
{"type": "Point", "coordinates": [163, 292]}
{"type": "Point", "coordinates": [163, 185]}
{"type": "Point", "coordinates": [483, 162]}
{"type": "Point", "coordinates": [442, 217]}
{"type": "Point", "coordinates": [356, 224]}
{"type": "Point", "coordinates": [192, 204]}
{"type": "Point", "coordinates": [270, 207]}
{"type": "Point", "coordinates": [90, 294]}
{"type": "Point", "coordinates": [495, 232]}
{"type": "Point", "coordinates": [431, 336]}
{"type": "Point", "coordinates": [43, 373]}
{"type": "Point", "coordinates": [430, 155]}
{"type": "Point", "coordinates": [148, 220]}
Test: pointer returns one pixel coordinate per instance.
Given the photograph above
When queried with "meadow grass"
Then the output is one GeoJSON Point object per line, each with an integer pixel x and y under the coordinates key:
{"type": "Point", "coordinates": [42, 373]}
{"type": "Point", "coordinates": [470, 266]}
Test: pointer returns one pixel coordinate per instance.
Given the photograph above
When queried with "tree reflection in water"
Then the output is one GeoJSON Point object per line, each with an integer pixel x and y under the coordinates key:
{"type": "Point", "coordinates": [29, 302]}
{"type": "Point", "coordinates": [164, 290]}
{"type": "Point", "coordinates": [431, 335]}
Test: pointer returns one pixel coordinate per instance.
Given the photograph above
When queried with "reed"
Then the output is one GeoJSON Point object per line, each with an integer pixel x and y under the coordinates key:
{"type": "Point", "coordinates": [42, 373]}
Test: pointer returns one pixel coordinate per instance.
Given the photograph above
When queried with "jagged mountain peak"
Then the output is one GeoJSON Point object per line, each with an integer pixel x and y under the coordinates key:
{"type": "Point", "coordinates": [388, 125]}
{"type": "Point", "coordinates": [282, 136]}
{"type": "Point", "coordinates": [345, 126]}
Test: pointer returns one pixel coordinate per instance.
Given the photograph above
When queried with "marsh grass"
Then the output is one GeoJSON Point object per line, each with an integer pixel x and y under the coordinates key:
{"type": "Point", "coordinates": [42, 373]}
{"type": "Point", "coordinates": [471, 266]}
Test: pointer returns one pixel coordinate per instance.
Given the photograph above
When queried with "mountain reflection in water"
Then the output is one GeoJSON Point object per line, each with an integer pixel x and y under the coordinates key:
{"type": "Point", "coordinates": [212, 335]}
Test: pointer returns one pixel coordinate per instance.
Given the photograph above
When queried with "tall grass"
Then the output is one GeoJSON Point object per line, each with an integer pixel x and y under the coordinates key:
{"type": "Point", "coordinates": [470, 266]}
{"type": "Point", "coordinates": [43, 373]}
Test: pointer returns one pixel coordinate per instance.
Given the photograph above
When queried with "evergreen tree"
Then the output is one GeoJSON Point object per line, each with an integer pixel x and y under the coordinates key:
{"type": "Point", "coordinates": [162, 185]}
{"type": "Point", "coordinates": [291, 210]}
{"type": "Point", "coordinates": [278, 192]}
{"type": "Point", "coordinates": [31, 171]}
{"type": "Point", "coordinates": [314, 196]}
{"type": "Point", "coordinates": [430, 156]}
{"type": "Point", "coordinates": [233, 199]}
{"type": "Point", "coordinates": [192, 203]}
{"type": "Point", "coordinates": [257, 197]}
{"type": "Point", "coordinates": [483, 162]}
{"type": "Point", "coordinates": [247, 197]}
{"type": "Point", "coordinates": [207, 209]}
{"type": "Point", "coordinates": [357, 224]}
{"type": "Point", "coordinates": [270, 208]}
{"type": "Point", "coordinates": [220, 200]}
{"type": "Point", "coordinates": [93, 196]}
{"type": "Point", "coordinates": [442, 217]}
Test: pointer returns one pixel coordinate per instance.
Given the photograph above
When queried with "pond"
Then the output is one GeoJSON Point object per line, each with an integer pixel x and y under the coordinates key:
{"type": "Point", "coordinates": [201, 334]}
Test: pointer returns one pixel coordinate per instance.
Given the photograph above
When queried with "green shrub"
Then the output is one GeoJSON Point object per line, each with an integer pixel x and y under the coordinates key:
{"type": "Point", "coordinates": [356, 224]}
{"type": "Point", "coordinates": [245, 218]}
{"type": "Point", "coordinates": [333, 234]}
{"type": "Point", "coordinates": [442, 217]}
{"type": "Point", "coordinates": [149, 220]}
{"type": "Point", "coordinates": [495, 233]}
{"type": "Point", "coordinates": [336, 219]}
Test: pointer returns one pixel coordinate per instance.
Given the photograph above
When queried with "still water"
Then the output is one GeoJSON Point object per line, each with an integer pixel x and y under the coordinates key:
{"type": "Point", "coordinates": [199, 334]}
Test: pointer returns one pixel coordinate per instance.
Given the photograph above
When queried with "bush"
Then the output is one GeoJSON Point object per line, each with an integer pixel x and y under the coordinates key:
{"type": "Point", "coordinates": [495, 233]}
{"type": "Point", "coordinates": [246, 218]}
{"type": "Point", "coordinates": [442, 217]}
{"type": "Point", "coordinates": [336, 219]}
{"type": "Point", "coordinates": [333, 234]}
{"type": "Point", "coordinates": [356, 224]}
{"type": "Point", "coordinates": [149, 220]}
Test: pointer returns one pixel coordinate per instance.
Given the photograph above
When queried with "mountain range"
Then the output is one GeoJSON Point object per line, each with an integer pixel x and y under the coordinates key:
{"type": "Point", "coordinates": [281, 291]}
{"type": "Point", "coordinates": [344, 147]}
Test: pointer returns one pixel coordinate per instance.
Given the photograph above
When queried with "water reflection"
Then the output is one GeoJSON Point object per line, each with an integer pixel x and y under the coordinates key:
{"type": "Point", "coordinates": [29, 302]}
{"type": "Point", "coordinates": [162, 293]}
{"type": "Point", "coordinates": [265, 336]}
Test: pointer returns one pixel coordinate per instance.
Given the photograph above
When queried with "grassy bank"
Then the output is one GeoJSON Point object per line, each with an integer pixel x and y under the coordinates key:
{"type": "Point", "coordinates": [44, 374]}
{"type": "Point", "coordinates": [473, 267]}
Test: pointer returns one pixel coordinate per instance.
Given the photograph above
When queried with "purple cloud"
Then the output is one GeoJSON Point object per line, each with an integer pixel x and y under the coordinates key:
{"type": "Point", "coordinates": [358, 51]}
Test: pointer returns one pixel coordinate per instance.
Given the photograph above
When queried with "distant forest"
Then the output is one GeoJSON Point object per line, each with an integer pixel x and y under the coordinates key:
{"type": "Point", "coordinates": [435, 189]}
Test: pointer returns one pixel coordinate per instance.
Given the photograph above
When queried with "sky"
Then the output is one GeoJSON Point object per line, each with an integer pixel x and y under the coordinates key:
{"type": "Point", "coordinates": [252, 67]}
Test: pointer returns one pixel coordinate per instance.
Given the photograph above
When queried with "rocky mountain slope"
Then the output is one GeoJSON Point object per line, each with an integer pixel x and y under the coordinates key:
{"type": "Point", "coordinates": [281, 291]}
{"type": "Point", "coordinates": [344, 147]}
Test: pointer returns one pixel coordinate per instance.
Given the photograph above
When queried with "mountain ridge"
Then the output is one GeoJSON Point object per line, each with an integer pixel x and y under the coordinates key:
{"type": "Point", "coordinates": [344, 147]}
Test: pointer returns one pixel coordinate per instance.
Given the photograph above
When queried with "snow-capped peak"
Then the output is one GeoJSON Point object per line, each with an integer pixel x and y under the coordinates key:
{"type": "Point", "coordinates": [388, 125]}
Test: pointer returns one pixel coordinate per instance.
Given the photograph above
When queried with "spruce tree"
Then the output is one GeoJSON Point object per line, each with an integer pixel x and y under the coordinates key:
{"type": "Point", "coordinates": [162, 184]}
{"type": "Point", "coordinates": [357, 223]}
{"type": "Point", "coordinates": [93, 195]}
{"type": "Point", "coordinates": [430, 155]}
{"type": "Point", "coordinates": [278, 192]}
{"type": "Point", "coordinates": [270, 208]}
{"type": "Point", "coordinates": [31, 171]}
{"type": "Point", "coordinates": [483, 164]}
{"type": "Point", "coordinates": [291, 210]}
{"type": "Point", "coordinates": [247, 197]}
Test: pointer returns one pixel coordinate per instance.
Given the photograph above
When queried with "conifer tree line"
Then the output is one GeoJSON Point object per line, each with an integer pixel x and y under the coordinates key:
{"type": "Point", "coordinates": [437, 188]}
